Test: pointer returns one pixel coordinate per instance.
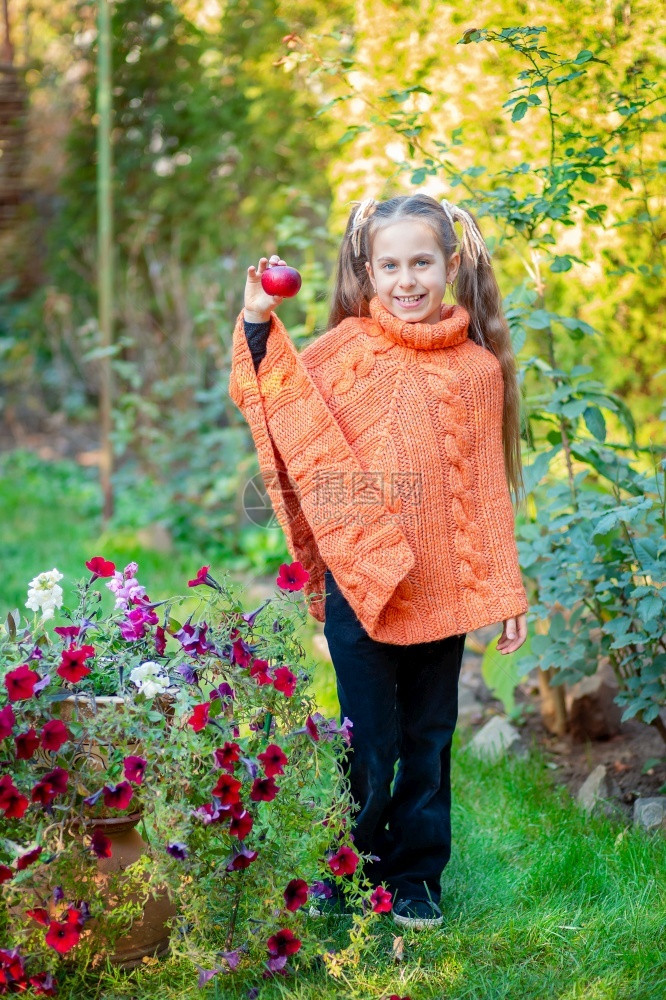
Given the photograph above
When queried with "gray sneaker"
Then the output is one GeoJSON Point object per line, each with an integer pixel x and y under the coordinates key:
{"type": "Point", "coordinates": [416, 914]}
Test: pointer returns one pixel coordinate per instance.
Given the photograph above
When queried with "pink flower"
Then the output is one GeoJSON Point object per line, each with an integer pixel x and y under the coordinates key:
{"type": "Point", "coordinates": [227, 756]}
{"type": "Point", "coordinates": [54, 734]}
{"type": "Point", "coordinates": [5, 874]}
{"type": "Point", "coordinates": [7, 721]}
{"type": "Point", "coordinates": [67, 631]}
{"type": "Point", "coordinates": [296, 894]}
{"type": "Point", "coordinates": [285, 681]}
{"type": "Point", "coordinates": [100, 844]}
{"type": "Point", "coordinates": [343, 862]}
{"type": "Point", "coordinates": [381, 900]}
{"type": "Point", "coordinates": [241, 652]}
{"type": "Point", "coordinates": [312, 729]}
{"type": "Point", "coordinates": [193, 639]}
{"type": "Point", "coordinates": [100, 566]}
{"type": "Point", "coordinates": [26, 744]}
{"type": "Point", "coordinates": [40, 915]}
{"type": "Point", "coordinates": [125, 586]}
{"type": "Point", "coordinates": [20, 683]}
{"type": "Point", "coordinates": [135, 768]}
{"type": "Point", "coordinates": [292, 576]}
{"type": "Point", "coordinates": [135, 625]}
{"type": "Point", "coordinates": [264, 790]}
{"type": "Point", "coordinates": [118, 796]}
{"type": "Point", "coordinates": [273, 760]}
{"type": "Point", "coordinates": [199, 717]}
{"type": "Point", "coordinates": [72, 668]}
{"type": "Point", "coordinates": [283, 943]}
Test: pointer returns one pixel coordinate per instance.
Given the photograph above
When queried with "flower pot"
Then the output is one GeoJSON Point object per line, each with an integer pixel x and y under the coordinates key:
{"type": "Point", "coordinates": [149, 935]}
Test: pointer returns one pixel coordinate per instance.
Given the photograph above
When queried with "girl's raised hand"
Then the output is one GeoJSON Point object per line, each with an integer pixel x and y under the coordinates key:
{"type": "Point", "coordinates": [513, 634]}
{"type": "Point", "coordinates": [258, 303]}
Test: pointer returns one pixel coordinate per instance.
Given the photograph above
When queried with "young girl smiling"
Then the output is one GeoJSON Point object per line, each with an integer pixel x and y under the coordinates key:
{"type": "Point", "coordinates": [388, 447]}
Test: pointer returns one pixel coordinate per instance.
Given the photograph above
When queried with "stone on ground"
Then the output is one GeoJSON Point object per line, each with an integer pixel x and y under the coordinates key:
{"type": "Point", "coordinates": [598, 792]}
{"type": "Point", "coordinates": [650, 813]}
{"type": "Point", "coordinates": [495, 739]}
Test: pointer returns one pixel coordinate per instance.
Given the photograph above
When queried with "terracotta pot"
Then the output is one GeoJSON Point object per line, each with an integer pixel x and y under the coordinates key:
{"type": "Point", "coordinates": [149, 935]}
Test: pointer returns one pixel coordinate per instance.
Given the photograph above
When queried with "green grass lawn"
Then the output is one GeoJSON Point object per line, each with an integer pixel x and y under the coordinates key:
{"type": "Point", "coordinates": [540, 902]}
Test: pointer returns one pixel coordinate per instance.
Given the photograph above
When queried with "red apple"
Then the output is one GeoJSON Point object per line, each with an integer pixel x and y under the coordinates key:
{"type": "Point", "coordinates": [281, 280]}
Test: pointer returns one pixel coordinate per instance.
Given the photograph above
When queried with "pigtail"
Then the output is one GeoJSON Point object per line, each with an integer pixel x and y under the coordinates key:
{"type": "Point", "coordinates": [476, 289]}
{"type": "Point", "coordinates": [352, 290]}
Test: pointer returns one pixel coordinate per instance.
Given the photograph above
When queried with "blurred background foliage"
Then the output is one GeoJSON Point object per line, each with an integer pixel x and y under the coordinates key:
{"type": "Point", "coordinates": [246, 126]}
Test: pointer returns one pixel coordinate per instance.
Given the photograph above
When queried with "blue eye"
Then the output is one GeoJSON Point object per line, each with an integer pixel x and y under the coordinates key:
{"type": "Point", "coordinates": [386, 266]}
{"type": "Point", "coordinates": [424, 262]}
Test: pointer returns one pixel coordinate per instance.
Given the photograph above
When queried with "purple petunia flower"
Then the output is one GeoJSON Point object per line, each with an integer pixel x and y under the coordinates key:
{"type": "Point", "coordinates": [177, 850]}
{"type": "Point", "coordinates": [187, 674]}
{"type": "Point", "coordinates": [249, 616]}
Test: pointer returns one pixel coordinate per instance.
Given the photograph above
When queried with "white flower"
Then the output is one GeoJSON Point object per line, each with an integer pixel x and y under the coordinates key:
{"type": "Point", "coordinates": [151, 678]}
{"type": "Point", "coordinates": [44, 593]}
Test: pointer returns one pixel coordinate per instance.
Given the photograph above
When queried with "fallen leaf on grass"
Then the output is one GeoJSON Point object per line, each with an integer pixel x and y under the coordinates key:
{"type": "Point", "coordinates": [398, 949]}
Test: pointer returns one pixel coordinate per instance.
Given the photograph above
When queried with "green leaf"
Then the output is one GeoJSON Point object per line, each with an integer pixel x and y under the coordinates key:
{"type": "Point", "coordinates": [419, 175]}
{"type": "Point", "coordinates": [595, 423]}
{"type": "Point", "coordinates": [649, 607]}
{"type": "Point", "coordinates": [519, 111]}
{"type": "Point", "coordinates": [560, 264]}
{"type": "Point", "coordinates": [584, 56]}
{"type": "Point", "coordinates": [540, 319]}
{"type": "Point", "coordinates": [502, 673]}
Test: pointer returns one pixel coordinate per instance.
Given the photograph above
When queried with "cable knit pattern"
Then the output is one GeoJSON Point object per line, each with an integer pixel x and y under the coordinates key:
{"type": "Point", "coordinates": [381, 449]}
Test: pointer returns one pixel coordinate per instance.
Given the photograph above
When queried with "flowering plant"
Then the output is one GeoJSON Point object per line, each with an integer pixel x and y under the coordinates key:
{"type": "Point", "coordinates": [195, 718]}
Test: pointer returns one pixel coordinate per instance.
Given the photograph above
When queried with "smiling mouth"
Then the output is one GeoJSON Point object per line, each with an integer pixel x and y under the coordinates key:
{"type": "Point", "coordinates": [409, 300]}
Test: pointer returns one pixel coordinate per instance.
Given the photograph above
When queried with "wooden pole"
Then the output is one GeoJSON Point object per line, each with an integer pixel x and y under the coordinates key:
{"type": "Point", "coordinates": [105, 250]}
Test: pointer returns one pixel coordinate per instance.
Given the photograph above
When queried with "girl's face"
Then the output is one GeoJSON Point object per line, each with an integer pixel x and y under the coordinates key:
{"type": "Point", "coordinates": [408, 271]}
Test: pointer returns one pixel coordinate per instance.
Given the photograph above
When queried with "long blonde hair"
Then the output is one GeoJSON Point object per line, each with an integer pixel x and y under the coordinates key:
{"type": "Point", "coordinates": [475, 288]}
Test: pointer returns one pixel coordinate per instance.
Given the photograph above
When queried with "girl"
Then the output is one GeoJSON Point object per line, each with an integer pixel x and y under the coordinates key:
{"type": "Point", "coordinates": [388, 447]}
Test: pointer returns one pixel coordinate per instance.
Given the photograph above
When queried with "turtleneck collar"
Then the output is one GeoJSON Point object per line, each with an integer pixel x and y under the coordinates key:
{"type": "Point", "coordinates": [451, 329]}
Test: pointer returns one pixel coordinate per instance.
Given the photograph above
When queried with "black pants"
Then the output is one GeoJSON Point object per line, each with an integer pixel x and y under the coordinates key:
{"type": "Point", "coordinates": [403, 702]}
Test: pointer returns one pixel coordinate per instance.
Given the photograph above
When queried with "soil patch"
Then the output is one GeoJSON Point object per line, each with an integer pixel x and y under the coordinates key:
{"type": "Point", "coordinates": [635, 758]}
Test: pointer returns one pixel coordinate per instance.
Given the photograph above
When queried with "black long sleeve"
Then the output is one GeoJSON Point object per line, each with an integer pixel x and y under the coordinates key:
{"type": "Point", "coordinates": [257, 340]}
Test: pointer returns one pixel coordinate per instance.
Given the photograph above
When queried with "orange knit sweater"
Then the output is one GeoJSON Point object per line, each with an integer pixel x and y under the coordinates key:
{"type": "Point", "coordinates": [381, 448]}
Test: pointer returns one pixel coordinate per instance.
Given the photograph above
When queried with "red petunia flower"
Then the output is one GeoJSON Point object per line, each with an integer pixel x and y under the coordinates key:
{"type": "Point", "coordinates": [26, 744]}
{"type": "Point", "coordinates": [54, 734]}
{"type": "Point", "coordinates": [242, 860]}
{"type": "Point", "coordinates": [43, 984]}
{"type": "Point", "coordinates": [296, 894]}
{"type": "Point", "coordinates": [72, 668]}
{"type": "Point", "coordinates": [12, 802]}
{"type": "Point", "coordinates": [199, 717]}
{"type": "Point", "coordinates": [259, 670]}
{"type": "Point", "coordinates": [40, 915]}
{"type": "Point", "coordinates": [135, 768]}
{"type": "Point", "coordinates": [100, 844]}
{"type": "Point", "coordinates": [292, 576]}
{"type": "Point", "coordinates": [160, 640]}
{"type": "Point", "coordinates": [227, 790]}
{"type": "Point", "coordinates": [43, 793]}
{"type": "Point", "coordinates": [264, 790]}
{"type": "Point", "coordinates": [285, 681]}
{"type": "Point", "coordinates": [27, 859]}
{"type": "Point", "coordinates": [380, 900]}
{"type": "Point", "coordinates": [311, 728]}
{"type": "Point", "coordinates": [343, 862]}
{"type": "Point", "coordinates": [5, 874]}
{"type": "Point", "coordinates": [12, 973]}
{"type": "Point", "coordinates": [7, 721]}
{"type": "Point", "coordinates": [62, 936]}
{"type": "Point", "coordinates": [241, 822]}
{"type": "Point", "coordinates": [118, 796]}
{"type": "Point", "coordinates": [241, 652]}
{"type": "Point", "coordinates": [67, 631]}
{"type": "Point", "coordinates": [273, 760]}
{"type": "Point", "coordinates": [20, 683]}
{"type": "Point", "coordinates": [227, 756]}
{"type": "Point", "coordinates": [58, 779]}
{"type": "Point", "coordinates": [100, 566]}
{"type": "Point", "coordinates": [201, 579]}
{"type": "Point", "coordinates": [283, 943]}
